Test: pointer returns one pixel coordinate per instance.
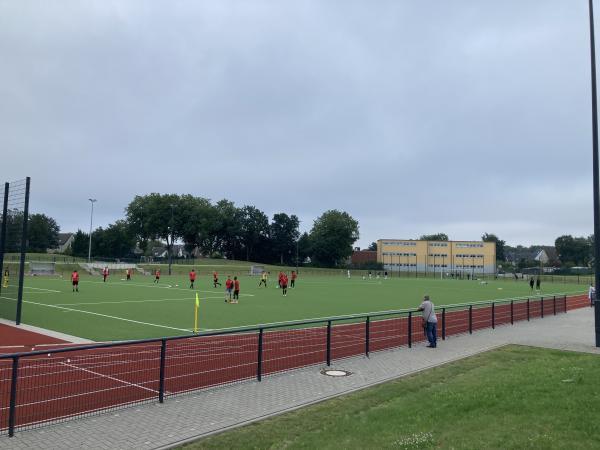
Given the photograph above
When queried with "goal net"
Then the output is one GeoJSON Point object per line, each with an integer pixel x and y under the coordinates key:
{"type": "Point", "coordinates": [42, 268]}
{"type": "Point", "coordinates": [256, 270]}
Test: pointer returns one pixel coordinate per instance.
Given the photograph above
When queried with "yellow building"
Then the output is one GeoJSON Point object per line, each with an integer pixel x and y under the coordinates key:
{"type": "Point", "coordinates": [461, 258]}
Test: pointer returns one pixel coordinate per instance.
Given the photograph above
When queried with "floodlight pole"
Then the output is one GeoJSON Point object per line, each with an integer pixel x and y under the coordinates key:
{"type": "Point", "coordinates": [595, 173]}
{"type": "Point", "coordinates": [92, 201]}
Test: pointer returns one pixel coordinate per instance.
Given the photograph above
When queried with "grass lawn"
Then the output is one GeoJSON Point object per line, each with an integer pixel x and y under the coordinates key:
{"type": "Point", "coordinates": [511, 398]}
{"type": "Point", "coordinates": [141, 309]}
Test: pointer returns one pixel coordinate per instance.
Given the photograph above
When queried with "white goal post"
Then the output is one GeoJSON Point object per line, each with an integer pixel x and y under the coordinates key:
{"type": "Point", "coordinates": [42, 268]}
{"type": "Point", "coordinates": [256, 270]}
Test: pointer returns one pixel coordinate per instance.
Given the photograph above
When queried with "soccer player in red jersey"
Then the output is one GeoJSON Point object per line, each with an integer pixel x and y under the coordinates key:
{"type": "Point", "coordinates": [284, 284]}
{"type": "Point", "coordinates": [192, 278]}
{"type": "Point", "coordinates": [236, 290]}
{"type": "Point", "coordinates": [105, 274]}
{"type": "Point", "coordinates": [129, 274]}
{"type": "Point", "coordinates": [75, 281]}
{"type": "Point", "coordinates": [216, 279]}
{"type": "Point", "coordinates": [228, 289]}
{"type": "Point", "coordinates": [294, 276]}
{"type": "Point", "coordinates": [157, 276]}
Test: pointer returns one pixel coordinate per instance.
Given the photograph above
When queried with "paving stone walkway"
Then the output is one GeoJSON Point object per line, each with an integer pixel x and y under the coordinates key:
{"type": "Point", "coordinates": [187, 417]}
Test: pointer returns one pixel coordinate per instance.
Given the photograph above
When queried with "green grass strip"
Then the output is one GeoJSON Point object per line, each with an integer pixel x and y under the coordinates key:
{"type": "Point", "coordinates": [511, 398]}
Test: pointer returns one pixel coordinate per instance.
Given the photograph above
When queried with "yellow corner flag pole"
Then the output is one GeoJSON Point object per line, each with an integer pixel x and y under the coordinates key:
{"type": "Point", "coordinates": [196, 313]}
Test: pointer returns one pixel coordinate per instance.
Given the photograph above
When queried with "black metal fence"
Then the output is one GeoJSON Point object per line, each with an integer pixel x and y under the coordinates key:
{"type": "Point", "coordinates": [49, 386]}
{"type": "Point", "coordinates": [13, 238]}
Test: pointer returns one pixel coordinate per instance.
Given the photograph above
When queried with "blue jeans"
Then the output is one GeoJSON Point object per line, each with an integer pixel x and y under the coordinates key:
{"type": "Point", "coordinates": [431, 331]}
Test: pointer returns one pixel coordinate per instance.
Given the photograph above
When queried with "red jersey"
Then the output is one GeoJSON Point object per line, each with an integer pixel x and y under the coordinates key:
{"type": "Point", "coordinates": [236, 285]}
{"type": "Point", "coordinates": [229, 283]}
{"type": "Point", "coordinates": [157, 273]}
{"type": "Point", "coordinates": [294, 275]}
{"type": "Point", "coordinates": [192, 276]}
{"type": "Point", "coordinates": [284, 280]}
{"type": "Point", "coordinates": [105, 271]}
{"type": "Point", "coordinates": [215, 275]}
{"type": "Point", "coordinates": [74, 276]}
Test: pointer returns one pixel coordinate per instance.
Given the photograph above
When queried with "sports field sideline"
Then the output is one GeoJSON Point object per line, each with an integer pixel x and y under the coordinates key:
{"type": "Point", "coordinates": [137, 309]}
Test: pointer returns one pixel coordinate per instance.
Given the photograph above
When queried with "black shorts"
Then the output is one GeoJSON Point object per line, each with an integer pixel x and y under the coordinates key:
{"type": "Point", "coordinates": [284, 286]}
{"type": "Point", "coordinates": [236, 292]}
{"type": "Point", "coordinates": [75, 283]}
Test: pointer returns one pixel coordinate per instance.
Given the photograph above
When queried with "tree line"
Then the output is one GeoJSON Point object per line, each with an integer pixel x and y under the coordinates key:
{"type": "Point", "coordinates": [222, 229]}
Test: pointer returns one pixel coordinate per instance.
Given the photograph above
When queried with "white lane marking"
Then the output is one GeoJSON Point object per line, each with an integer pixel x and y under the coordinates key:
{"type": "Point", "coordinates": [108, 316]}
{"type": "Point", "coordinates": [220, 297]}
{"type": "Point", "coordinates": [108, 376]}
{"type": "Point", "coordinates": [41, 289]}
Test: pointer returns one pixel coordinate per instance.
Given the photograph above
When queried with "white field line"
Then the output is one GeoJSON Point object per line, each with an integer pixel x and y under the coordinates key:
{"type": "Point", "coordinates": [220, 297]}
{"type": "Point", "coordinates": [109, 377]}
{"type": "Point", "coordinates": [41, 289]}
{"type": "Point", "coordinates": [108, 316]}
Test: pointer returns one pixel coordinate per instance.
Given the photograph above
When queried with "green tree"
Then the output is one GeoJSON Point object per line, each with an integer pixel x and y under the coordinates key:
{"type": "Point", "coordinates": [254, 228]}
{"type": "Point", "coordinates": [499, 245]}
{"type": "Point", "coordinates": [284, 234]}
{"type": "Point", "coordinates": [434, 237]}
{"type": "Point", "coordinates": [42, 233]}
{"type": "Point", "coordinates": [80, 244]}
{"type": "Point", "coordinates": [576, 251]}
{"type": "Point", "coordinates": [115, 241]}
{"type": "Point", "coordinates": [373, 246]}
{"type": "Point", "coordinates": [332, 237]}
{"type": "Point", "coordinates": [157, 216]}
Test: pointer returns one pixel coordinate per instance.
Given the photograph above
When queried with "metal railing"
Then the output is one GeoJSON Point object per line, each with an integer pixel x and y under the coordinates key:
{"type": "Point", "coordinates": [47, 386]}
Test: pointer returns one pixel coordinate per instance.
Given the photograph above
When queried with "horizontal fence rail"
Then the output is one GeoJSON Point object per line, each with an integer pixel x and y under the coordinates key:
{"type": "Point", "coordinates": [50, 386]}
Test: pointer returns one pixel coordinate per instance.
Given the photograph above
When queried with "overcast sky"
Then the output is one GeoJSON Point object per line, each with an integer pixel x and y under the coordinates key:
{"type": "Point", "coordinates": [415, 117]}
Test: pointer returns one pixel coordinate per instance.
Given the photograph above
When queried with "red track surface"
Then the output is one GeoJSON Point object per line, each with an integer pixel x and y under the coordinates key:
{"type": "Point", "coordinates": [60, 385]}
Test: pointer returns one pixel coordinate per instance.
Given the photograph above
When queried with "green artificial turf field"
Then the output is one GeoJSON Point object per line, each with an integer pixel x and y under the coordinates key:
{"type": "Point", "coordinates": [138, 309]}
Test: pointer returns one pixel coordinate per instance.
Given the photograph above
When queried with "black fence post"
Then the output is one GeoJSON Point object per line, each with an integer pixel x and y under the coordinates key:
{"type": "Point", "coordinates": [409, 329]}
{"type": "Point", "coordinates": [542, 306]}
{"type": "Point", "coordinates": [443, 324]}
{"type": "Point", "coordinates": [470, 319]}
{"type": "Point", "coordinates": [329, 342]}
{"type": "Point", "coordinates": [367, 331]}
{"type": "Point", "coordinates": [260, 352]}
{"type": "Point", "coordinates": [161, 382]}
{"type": "Point", "coordinates": [527, 310]}
{"type": "Point", "coordinates": [512, 320]}
{"type": "Point", "coordinates": [13, 397]}
{"type": "Point", "coordinates": [554, 304]}
{"type": "Point", "coordinates": [493, 315]}
{"type": "Point", "coordinates": [23, 252]}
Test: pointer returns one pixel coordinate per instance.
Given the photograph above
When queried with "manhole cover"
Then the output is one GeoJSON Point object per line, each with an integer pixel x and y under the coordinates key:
{"type": "Point", "coordinates": [335, 372]}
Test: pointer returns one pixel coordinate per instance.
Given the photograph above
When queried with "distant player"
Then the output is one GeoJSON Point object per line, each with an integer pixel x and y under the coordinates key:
{"type": "Point", "coordinates": [6, 278]}
{"type": "Point", "coordinates": [216, 279]}
{"type": "Point", "coordinates": [531, 281]}
{"type": "Point", "coordinates": [348, 273]}
{"type": "Point", "coordinates": [129, 274]}
{"type": "Point", "coordinates": [592, 294]}
{"type": "Point", "coordinates": [385, 275]}
{"type": "Point", "coordinates": [157, 276]}
{"type": "Point", "coordinates": [228, 289]}
{"type": "Point", "coordinates": [294, 276]}
{"type": "Point", "coordinates": [236, 290]}
{"type": "Point", "coordinates": [538, 284]}
{"type": "Point", "coordinates": [279, 279]}
{"type": "Point", "coordinates": [284, 284]}
{"type": "Point", "coordinates": [105, 274]}
{"type": "Point", "coordinates": [192, 278]}
{"type": "Point", "coordinates": [75, 281]}
{"type": "Point", "coordinates": [370, 275]}
{"type": "Point", "coordinates": [263, 279]}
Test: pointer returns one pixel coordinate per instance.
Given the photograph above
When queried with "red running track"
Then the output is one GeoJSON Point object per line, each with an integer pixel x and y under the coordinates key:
{"type": "Point", "coordinates": [55, 386]}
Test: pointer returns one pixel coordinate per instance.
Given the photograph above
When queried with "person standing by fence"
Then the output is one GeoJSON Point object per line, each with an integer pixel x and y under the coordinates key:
{"type": "Point", "coordinates": [429, 321]}
{"type": "Point", "coordinates": [592, 294]}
